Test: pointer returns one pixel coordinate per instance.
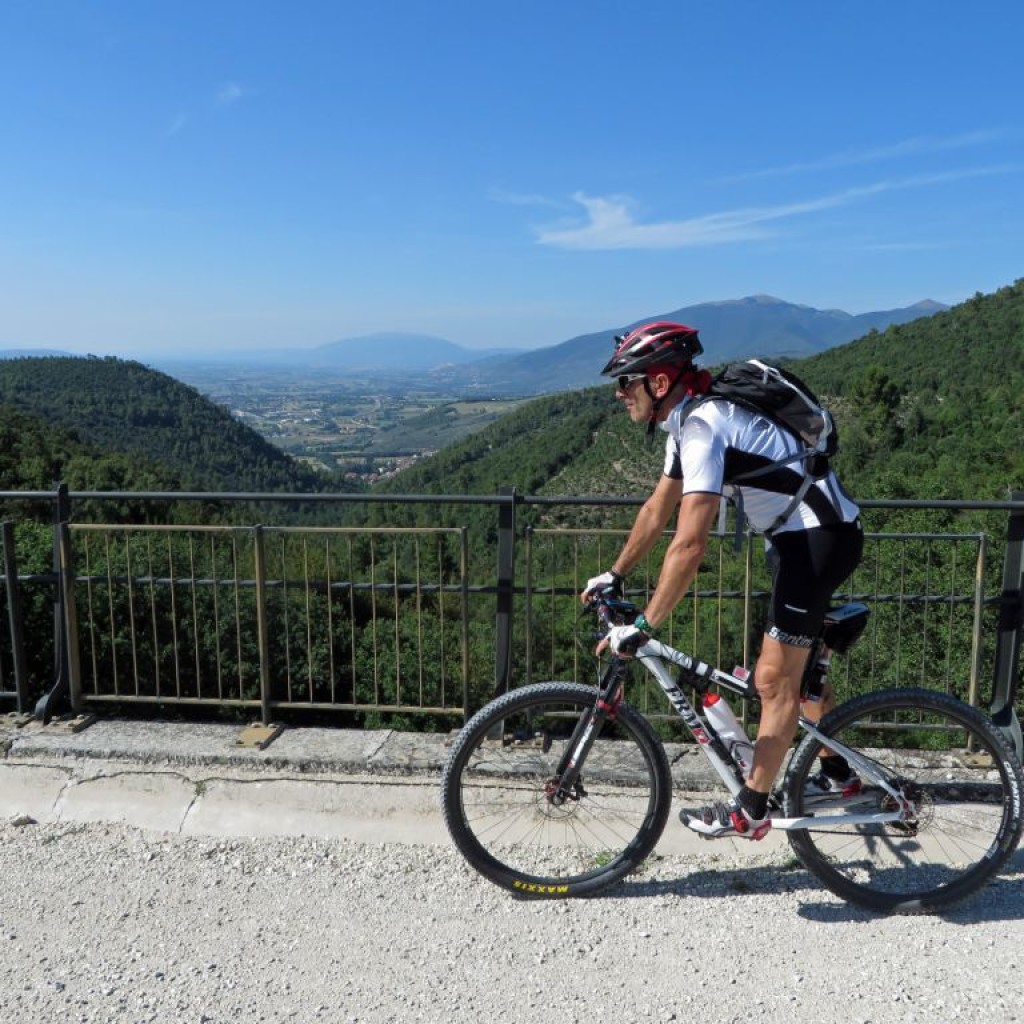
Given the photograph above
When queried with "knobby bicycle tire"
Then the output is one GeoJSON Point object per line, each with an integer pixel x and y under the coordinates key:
{"type": "Point", "coordinates": [498, 807]}
{"type": "Point", "coordinates": [962, 778]}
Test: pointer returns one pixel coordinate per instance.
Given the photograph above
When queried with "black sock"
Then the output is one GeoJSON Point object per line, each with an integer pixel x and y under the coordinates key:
{"type": "Point", "coordinates": [754, 803]}
{"type": "Point", "coordinates": [836, 767]}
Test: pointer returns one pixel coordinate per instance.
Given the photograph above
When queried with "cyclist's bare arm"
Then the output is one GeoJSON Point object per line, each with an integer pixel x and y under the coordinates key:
{"type": "Point", "coordinates": [651, 520]}
{"type": "Point", "coordinates": [697, 515]}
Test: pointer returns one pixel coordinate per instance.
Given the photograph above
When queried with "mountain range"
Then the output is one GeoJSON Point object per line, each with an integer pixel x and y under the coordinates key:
{"type": "Point", "coordinates": [759, 325]}
{"type": "Point", "coordinates": [733, 329]}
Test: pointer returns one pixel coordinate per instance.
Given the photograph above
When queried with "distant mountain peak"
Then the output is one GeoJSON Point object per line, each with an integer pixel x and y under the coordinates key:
{"type": "Point", "coordinates": [749, 300]}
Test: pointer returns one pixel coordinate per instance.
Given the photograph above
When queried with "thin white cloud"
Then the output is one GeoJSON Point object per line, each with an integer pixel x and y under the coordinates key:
{"type": "Point", "coordinates": [914, 146]}
{"type": "Point", "coordinates": [176, 125]}
{"type": "Point", "coordinates": [230, 93]}
{"type": "Point", "coordinates": [507, 198]}
{"type": "Point", "coordinates": [610, 222]}
{"type": "Point", "coordinates": [905, 246]}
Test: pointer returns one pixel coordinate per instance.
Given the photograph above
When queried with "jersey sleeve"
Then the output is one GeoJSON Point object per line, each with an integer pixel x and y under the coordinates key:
{"type": "Point", "coordinates": [701, 457]}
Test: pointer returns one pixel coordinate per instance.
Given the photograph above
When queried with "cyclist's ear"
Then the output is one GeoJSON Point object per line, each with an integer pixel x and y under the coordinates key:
{"type": "Point", "coordinates": [660, 384]}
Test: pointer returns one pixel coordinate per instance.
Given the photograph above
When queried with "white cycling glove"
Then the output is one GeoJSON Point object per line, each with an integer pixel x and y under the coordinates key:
{"type": "Point", "coordinates": [608, 583]}
{"type": "Point", "coordinates": [626, 640]}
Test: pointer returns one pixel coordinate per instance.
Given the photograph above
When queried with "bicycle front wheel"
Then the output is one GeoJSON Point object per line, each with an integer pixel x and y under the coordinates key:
{"type": "Point", "coordinates": [960, 807]}
{"type": "Point", "coordinates": [499, 793]}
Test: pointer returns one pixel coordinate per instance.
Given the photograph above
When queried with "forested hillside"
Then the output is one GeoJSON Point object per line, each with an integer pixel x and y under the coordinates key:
{"type": "Point", "coordinates": [166, 433]}
{"type": "Point", "coordinates": [34, 453]}
{"type": "Point", "coordinates": [934, 408]}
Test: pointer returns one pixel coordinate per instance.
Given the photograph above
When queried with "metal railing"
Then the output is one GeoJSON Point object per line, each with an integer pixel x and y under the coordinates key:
{"type": "Point", "coordinates": [430, 621]}
{"type": "Point", "coordinates": [271, 617]}
{"type": "Point", "coordinates": [13, 674]}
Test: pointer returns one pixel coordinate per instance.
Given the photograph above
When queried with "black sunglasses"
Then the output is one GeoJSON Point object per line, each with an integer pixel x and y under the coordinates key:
{"type": "Point", "coordinates": [623, 381]}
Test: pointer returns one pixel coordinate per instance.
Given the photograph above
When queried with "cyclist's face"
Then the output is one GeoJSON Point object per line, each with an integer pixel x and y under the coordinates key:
{"type": "Point", "coordinates": [634, 396]}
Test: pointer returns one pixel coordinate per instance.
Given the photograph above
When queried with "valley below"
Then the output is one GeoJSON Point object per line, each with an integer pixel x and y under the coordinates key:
{"type": "Point", "coordinates": [367, 428]}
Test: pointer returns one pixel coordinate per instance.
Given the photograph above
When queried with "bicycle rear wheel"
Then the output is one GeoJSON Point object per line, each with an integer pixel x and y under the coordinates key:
{"type": "Point", "coordinates": [962, 783]}
{"type": "Point", "coordinates": [503, 814]}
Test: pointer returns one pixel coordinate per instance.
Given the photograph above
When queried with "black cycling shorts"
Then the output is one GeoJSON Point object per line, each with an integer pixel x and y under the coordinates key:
{"type": "Point", "coordinates": [807, 567]}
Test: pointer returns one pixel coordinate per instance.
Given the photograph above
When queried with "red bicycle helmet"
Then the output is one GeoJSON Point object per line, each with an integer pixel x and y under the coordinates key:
{"type": "Point", "coordinates": [661, 343]}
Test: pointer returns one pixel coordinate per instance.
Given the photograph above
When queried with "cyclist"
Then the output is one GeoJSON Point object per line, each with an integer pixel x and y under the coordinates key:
{"type": "Point", "coordinates": [811, 552]}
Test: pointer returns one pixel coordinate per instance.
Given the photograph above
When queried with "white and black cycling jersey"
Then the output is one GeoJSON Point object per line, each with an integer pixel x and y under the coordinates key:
{"type": "Point", "coordinates": [709, 446]}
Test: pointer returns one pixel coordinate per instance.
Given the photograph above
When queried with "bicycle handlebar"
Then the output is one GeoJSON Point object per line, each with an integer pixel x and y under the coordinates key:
{"type": "Point", "coordinates": [610, 610]}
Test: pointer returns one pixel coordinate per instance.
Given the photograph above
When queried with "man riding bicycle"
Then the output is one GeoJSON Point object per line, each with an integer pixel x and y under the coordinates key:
{"type": "Point", "coordinates": [815, 547]}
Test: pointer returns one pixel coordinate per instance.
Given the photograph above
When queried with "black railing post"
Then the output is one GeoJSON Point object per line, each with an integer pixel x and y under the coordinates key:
{"type": "Point", "coordinates": [14, 619]}
{"type": "Point", "coordinates": [262, 633]}
{"type": "Point", "coordinates": [48, 705]}
{"type": "Point", "coordinates": [1011, 626]}
{"type": "Point", "coordinates": [506, 589]}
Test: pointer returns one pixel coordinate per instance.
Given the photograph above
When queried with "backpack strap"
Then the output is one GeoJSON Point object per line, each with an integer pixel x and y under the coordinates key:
{"type": "Point", "coordinates": [794, 503]}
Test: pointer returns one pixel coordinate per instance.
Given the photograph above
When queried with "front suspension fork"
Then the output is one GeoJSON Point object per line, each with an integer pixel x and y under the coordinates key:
{"type": "Point", "coordinates": [565, 784]}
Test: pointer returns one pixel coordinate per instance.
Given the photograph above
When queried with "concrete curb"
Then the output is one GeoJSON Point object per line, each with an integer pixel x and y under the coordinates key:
{"type": "Point", "coordinates": [197, 779]}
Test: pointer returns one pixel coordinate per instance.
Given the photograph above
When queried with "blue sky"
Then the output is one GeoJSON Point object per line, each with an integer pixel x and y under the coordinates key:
{"type": "Point", "coordinates": [184, 177]}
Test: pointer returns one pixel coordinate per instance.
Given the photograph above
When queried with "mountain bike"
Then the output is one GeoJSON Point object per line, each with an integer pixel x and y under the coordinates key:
{"type": "Point", "coordinates": [561, 789]}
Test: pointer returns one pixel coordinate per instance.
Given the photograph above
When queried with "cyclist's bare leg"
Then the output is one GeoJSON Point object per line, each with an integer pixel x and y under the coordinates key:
{"type": "Point", "coordinates": [816, 710]}
{"type": "Point", "coordinates": [778, 674]}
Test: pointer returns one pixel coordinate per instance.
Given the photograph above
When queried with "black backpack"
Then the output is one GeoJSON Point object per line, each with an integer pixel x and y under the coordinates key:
{"type": "Point", "coordinates": [786, 400]}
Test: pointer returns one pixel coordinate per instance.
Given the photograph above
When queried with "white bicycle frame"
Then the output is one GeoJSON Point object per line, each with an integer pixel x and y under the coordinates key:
{"type": "Point", "coordinates": [656, 656]}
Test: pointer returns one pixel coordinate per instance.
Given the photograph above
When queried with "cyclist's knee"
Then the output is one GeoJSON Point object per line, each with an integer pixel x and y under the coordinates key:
{"type": "Point", "coordinates": [777, 682]}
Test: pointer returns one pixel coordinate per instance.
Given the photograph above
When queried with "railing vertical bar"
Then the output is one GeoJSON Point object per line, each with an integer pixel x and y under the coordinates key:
{"type": "Point", "coordinates": [506, 569]}
{"type": "Point", "coordinates": [951, 619]}
{"type": "Point", "coordinates": [441, 556]}
{"type": "Point", "coordinates": [70, 624]}
{"type": "Point", "coordinates": [464, 595]}
{"type": "Point", "coordinates": [260, 570]}
{"type": "Point", "coordinates": [351, 621]}
{"type": "Point", "coordinates": [976, 621]}
{"type": "Point", "coordinates": [151, 589]}
{"type": "Point", "coordinates": [528, 604]}
{"type": "Point", "coordinates": [396, 605]}
{"type": "Point", "coordinates": [174, 618]}
{"type": "Point", "coordinates": [373, 619]}
{"type": "Point", "coordinates": [237, 584]}
{"type": "Point", "coordinates": [90, 599]}
{"type": "Point", "coordinates": [328, 564]}
{"type": "Point", "coordinates": [115, 671]}
{"type": "Point", "coordinates": [419, 623]}
{"type": "Point", "coordinates": [131, 614]}
{"type": "Point", "coordinates": [218, 648]}
{"type": "Point", "coordinates": [748, 598]}
{"type": "Point", "coordinates": [14, 620]}
{"type": "Point", "coordinates": [310, 639]}
{"type": "Point", "coordinates": [194, 589]}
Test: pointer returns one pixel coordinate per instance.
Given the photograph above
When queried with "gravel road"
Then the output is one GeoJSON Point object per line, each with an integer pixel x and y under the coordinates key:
{"type": "Point", "coordinates": [107, 923]}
